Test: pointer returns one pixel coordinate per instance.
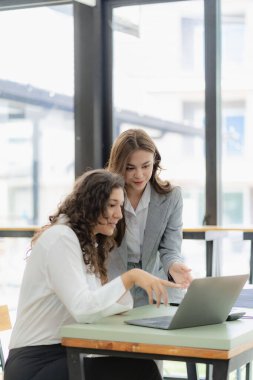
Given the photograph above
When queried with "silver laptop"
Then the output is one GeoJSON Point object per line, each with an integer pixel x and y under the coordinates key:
{"type": "Point", "coordinates": [207, 301]}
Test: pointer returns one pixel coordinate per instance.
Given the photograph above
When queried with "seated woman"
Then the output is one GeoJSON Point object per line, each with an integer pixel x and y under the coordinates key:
{"type": "Point", "coordinates": [65, 281]}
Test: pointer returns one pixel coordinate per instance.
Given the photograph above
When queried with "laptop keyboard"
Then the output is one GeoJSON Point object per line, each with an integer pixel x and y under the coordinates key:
{"type": "Point", "coordinates": [156, 322]}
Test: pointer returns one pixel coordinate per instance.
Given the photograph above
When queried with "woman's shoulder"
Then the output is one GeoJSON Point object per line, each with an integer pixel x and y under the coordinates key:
{"type": "Point", "coordinates": [176, 191]}
{"type": "Point", "coordinates": [57, 232]}
{"type": "Point", "coordinates": [174, 194]}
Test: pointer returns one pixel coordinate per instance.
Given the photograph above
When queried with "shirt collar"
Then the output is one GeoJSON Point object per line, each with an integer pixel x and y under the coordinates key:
{"type": "Point", "coordinates": [143, 203]}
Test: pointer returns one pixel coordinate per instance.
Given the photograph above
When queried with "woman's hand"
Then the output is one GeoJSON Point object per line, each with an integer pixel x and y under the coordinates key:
{"type": "Point", "coordinates": [181, 274]}
{"type": "Point", "coordinates": [151, 284]}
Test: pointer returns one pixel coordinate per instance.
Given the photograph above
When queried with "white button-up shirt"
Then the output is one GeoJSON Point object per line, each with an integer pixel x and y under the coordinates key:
{"type": "Point", "coordinates": [57, 289]}
{"type": "Point", "coordinates": [135, 225]}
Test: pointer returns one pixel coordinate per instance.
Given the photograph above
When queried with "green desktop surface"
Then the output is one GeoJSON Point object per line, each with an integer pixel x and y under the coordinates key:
{"type": "Point", "coordinates": [224, 336]}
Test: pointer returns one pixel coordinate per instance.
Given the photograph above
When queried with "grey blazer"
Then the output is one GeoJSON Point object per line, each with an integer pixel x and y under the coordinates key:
{"type": "Point", "coordinates": [162, 239]}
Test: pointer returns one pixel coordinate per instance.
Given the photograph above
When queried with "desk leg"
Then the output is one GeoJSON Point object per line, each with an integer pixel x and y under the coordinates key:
{"type": "Point", "coordinates": [192, 372]}
{"type": "Point", "coordinates": [248, 371]}
{"type": "Point", "coordinates": [220, 370]}
{"type": "Point", "coordinates": [75, 364]}
{"type": "Point", "coordinates": [209, 258]}
{"type": "Point", "coordinates": [209, 371]}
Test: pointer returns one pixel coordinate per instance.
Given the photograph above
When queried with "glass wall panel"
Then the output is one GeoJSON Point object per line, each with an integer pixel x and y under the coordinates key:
{"type": "Point", "coordinates": [158, 85]}
{"type": "Point", "coordinates": [13, 253]}
{"type": "Point", "coordinates": [36, 129]}
{"type": "Point", "coordinates": [36, 112]}
{"type": "Point", "coordinates": [237, 132]}
{"type": "Point", "coordinates": [237, 114]}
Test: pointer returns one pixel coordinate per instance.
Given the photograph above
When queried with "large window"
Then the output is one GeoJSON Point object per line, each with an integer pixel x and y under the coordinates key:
{"type": "Point", "coordinates": [36, 112]}
{"type": "Point", "coordinates": [237, 133]}
{"type": "Point", "coordinates": [36, 128]}
{"type": "Point", "coordinates": [158, 85]}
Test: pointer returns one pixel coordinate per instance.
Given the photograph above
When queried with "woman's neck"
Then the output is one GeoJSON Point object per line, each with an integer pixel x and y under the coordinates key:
{"type": "Point", "coordinates": [134, 198]}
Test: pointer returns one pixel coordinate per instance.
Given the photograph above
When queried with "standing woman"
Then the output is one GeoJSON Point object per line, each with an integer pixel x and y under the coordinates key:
{"type": "Point", "coordinates": [65, 280]}
{"type": "Point", "coordinates": [153, 214]}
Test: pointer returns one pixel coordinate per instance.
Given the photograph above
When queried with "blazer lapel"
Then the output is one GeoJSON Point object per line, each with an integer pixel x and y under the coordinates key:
{"type": "Point", "coordinates": [156, 214]}
{"type": "Point", "coordinates": [122, 253]}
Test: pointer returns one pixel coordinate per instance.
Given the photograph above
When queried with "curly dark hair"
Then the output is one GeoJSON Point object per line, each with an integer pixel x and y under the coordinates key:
{"type": "Point", "coordinates": [82, 207]}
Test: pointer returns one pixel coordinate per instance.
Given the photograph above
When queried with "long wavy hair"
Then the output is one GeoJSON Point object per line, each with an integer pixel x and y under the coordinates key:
{"type": "Point", "coordinates": [81, 209]}
{"type": "Point", "coordinates": [130, 141]}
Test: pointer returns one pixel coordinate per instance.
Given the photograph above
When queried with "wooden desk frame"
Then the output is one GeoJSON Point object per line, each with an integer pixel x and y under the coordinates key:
{"type": "Point", "coordinates": [223, 361]}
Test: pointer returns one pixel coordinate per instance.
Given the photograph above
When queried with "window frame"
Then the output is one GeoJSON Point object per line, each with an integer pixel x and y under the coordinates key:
{"type": "Point", "coordinates": [93, 87]}
{"type": "Point", "coordinates": [212, 22]}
